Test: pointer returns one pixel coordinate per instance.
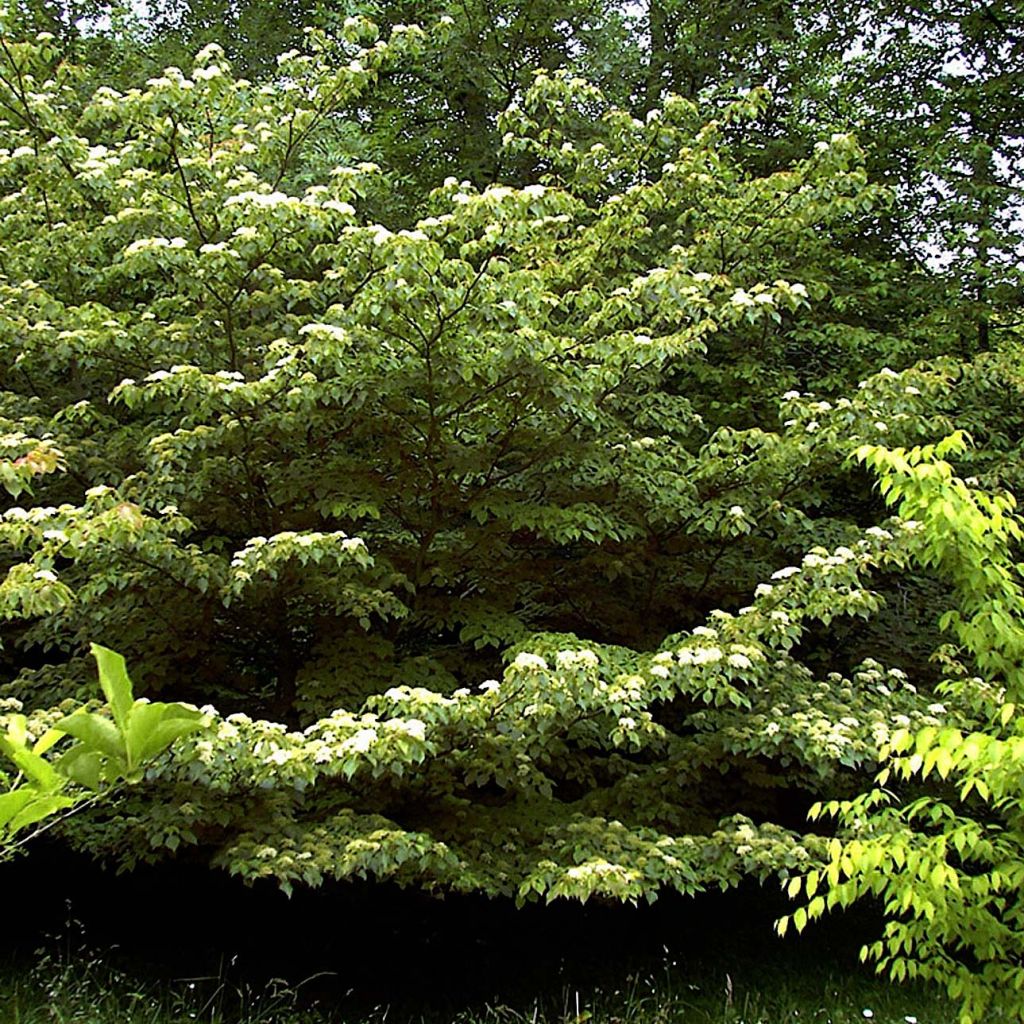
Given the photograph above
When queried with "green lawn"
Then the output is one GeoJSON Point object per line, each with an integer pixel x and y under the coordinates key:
{"type": "Point", "coordinates": [69, 986]}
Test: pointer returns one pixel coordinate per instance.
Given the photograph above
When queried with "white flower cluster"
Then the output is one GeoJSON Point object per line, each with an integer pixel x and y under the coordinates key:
{"type": "Point", "coordinates": [699, 655]}
{"type": "Point", "coordinates": [154, 245]}
{"type": "Point", "coordinates": [527, 662]}
{"type": "Point", "coordinates": [576, 659]}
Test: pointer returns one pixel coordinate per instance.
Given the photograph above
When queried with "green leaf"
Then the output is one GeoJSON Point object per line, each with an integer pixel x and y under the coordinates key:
{"type": "Point", "coordinates": [84, 766]}
{"type": "Point", "coordinates": [34, 767]}
{"type": "Point", "coordinates": [154, 727]}
{"type": "Point", "coordinates": [115, 683]}
{"type": "Point", "coordinates": [40, 808]}
{"type": "Point", "coordinates": [95, 733]}
{"type": "Point", "coordinates": [25, 806]}
{"type": "Point", "coordinates": [12, 802]}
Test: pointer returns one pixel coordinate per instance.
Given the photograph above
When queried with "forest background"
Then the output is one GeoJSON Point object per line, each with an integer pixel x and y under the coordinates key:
{"type": "Point", "coordinates": [557, 446]}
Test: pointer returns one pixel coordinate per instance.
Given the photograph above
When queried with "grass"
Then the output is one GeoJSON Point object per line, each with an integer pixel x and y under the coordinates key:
{"type": "Point", "coordinates": [70, 984]}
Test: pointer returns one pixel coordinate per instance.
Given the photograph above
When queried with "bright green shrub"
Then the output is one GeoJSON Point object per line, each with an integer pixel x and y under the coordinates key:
{"type": "Point", "coordinates": [949, 863]}
{"type": "Point", "coordinates": [109, 749]}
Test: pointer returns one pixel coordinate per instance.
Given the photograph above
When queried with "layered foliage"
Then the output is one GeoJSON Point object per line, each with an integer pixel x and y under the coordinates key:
{"type": "Point", "coordinates": [512, 528]}
{"type": "Point", "coordinates": [332, 472]}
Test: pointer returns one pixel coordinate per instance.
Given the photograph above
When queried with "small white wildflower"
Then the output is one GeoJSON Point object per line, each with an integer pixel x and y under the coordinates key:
{"type": "Point", "coordinates": [213, 50]}
{"type": "Point", "coordinates": [782, 574]}
{"type": "Point", "coordinates": [736, 511]}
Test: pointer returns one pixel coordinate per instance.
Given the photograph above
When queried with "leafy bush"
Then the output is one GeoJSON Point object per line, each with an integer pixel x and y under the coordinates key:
{"type": "Point", "coordinates": [949, 863]}
{"type": "Point", "coordinates": [473, 509]}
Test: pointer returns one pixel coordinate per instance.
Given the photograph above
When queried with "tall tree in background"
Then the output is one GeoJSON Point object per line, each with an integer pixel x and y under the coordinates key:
{"type": "Point", "coordinates": [942, 105]}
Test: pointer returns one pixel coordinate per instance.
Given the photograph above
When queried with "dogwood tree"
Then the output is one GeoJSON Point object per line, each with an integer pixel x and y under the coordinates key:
{"type": "Point", "coordinates": [504, 542]}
